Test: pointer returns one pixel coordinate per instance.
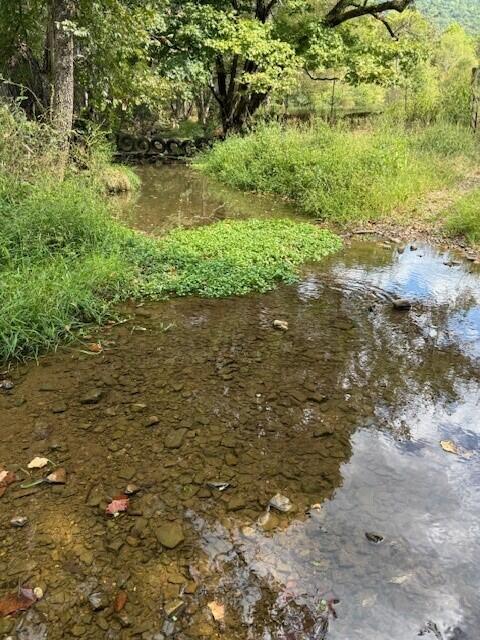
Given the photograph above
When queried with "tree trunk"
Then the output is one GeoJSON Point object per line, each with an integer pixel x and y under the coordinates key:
{"type": "Point", "coordinates": [63, 11]}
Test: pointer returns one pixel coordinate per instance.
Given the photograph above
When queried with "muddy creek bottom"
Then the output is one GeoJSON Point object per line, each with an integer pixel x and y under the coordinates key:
{"type": "Point", "coordinates": [210, 412]}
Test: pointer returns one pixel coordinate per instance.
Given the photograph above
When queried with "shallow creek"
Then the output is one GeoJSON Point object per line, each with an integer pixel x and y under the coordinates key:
{"type": "Point", "coordinates": [343, 414]}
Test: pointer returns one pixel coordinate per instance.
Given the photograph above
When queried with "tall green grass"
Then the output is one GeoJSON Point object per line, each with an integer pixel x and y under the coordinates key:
{"type": "Point", "coordinates": [463, 218]}
{"type": "Point", "coordinates": [65, 260]}
{"type": "Point", "coordinates": [338, 174]}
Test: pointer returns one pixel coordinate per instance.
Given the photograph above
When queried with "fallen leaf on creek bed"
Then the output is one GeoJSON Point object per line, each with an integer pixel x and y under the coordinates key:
{"type": "Point", "coordinates": [95, 347]}
{"type": "Point", "coordinates": [118, 504]}
{"type": "Point", "coordinates": [19, 601]}
{"type": "Point", "coordinates": [59, 476]}
{"type": "Point", "coordinates": [6, 478]}
{"type": "Point", "coordinates": [38, 463]}
{"type": "Point", "coordinates": [33, 483]}
{"type": "Point", "coordinates": [221, 486]}
{"type": "Point", "coordinates": [218, 610]}
{"type": "Point", "coordinates": [450, 447]}
{"type": "Point", "coordinates": [120, 601]}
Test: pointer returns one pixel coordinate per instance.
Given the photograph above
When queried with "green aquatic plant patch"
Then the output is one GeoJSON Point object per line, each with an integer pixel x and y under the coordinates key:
{"type": "Point", "coordinates": [65, 261]}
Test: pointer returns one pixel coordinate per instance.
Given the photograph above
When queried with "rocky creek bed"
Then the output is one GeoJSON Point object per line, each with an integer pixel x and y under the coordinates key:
{"type": "Point", "coordinates": [282, 484]}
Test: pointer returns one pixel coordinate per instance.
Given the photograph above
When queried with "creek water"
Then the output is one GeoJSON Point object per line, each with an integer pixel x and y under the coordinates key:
{"type": "Point", "coordinates": [343, 414]}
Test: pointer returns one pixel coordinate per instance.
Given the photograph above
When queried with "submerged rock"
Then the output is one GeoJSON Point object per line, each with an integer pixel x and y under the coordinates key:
{"type": "Point", "coordinates": [92, 397]}
{"type": "Point", "coordinates": [173, 606]}
{"type": "Point", "coordinates": [131, 489]}
{"type": "Point", "coordinates": [280, 503]}
{"type": "Point", "coordinates": [170, 534]}
{"type": "Point", "coordinates": [18, 521]}
{"type": "Point", "coordinates": [376, 538]}
{"type": "Point", "coordinates": [401, 304]}
{"type": "Point", "coordinates": [175, 438]}
{"type": "Point", "coordinates": [151, 421]}
{"type": "Point", "coordinates": [281, 325]}
{"type": "Point", "coordinates": [98, 600]}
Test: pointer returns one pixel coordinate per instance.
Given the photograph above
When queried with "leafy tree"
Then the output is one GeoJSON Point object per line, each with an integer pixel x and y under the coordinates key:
{"type": "Point", "coordinates": [249, 49]}
{"type": "Point", "coordinates": [113, 45]}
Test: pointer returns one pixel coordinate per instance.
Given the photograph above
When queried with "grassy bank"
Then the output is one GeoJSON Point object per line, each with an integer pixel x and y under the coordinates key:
{"type": "Point", "coordinates": [463, 218]}
{"type": "Point", "coordinates": [340, 175]}
{"type": "Point", "coordinates": [65, 260]}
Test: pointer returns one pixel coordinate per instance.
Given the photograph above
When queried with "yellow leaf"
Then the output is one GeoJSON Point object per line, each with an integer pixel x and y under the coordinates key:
{"type": "Point", "coordinates": [218, 610]}
{"type": "Point", "coordinates": [38, 463]}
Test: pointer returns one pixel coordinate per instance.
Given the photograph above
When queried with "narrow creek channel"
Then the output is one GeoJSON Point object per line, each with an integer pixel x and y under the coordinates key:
{"type": "Point", "coordinates": [211, 413]}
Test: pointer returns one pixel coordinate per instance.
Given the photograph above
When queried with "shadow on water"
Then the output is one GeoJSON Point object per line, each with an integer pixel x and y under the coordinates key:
{"type": "Point", "coordinates": [343, 415]}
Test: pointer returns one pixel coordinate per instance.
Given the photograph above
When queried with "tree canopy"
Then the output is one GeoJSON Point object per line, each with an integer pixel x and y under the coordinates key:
{"type": "Point", "coordinates": [132, 55]}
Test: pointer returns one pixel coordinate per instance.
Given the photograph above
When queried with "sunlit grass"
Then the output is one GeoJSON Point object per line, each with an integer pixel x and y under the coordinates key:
{"type": "Point", "coordinates": [340, 175]}
{"type": "Point", "coordinates": [463, 217]}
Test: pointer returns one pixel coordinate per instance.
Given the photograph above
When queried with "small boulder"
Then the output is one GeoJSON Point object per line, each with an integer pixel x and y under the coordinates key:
{"type": "Point", "coordinates": [170, 534]}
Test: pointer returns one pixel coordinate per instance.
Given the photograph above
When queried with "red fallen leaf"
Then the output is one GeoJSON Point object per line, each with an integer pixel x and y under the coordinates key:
{"type": "Point", "coordinates": [120, 601]}
{"type": "Point", "coordinates": [95, 347]}
{"type": "Point", "coordinates": [59, 476]}
{"type": "Point", "coordinates": [6, 478]}
{"type": "Point", "coordinates": [19, 601]}
{"type": "Point", "coordinates": [118, 504]}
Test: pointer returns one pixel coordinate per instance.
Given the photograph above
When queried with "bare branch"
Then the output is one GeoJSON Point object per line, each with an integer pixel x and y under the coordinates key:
{"type": "Point", "coordinates": [345, 10]}
{"type": "Point", "coordinates": [320, 78]}
{"type": "Point", "coordinates": [386, 24]}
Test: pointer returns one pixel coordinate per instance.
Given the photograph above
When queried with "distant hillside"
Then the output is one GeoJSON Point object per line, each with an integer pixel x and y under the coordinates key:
{"type": "Point", "coordinates": [444, 12]}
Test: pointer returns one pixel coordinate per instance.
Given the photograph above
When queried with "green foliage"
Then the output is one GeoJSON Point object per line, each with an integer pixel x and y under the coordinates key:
{"type": "Point", "coordinates": [444, 12]}
{"type": "Point", "coordinates": [337, 174]}
{"type": "Point", "coordinates": [463, 218]}
{"type": "Point", "coordinates": [362, 51]}
{"type": "Point", "coordinates": [235, 257]}
{"type": "Point", "coordinates": [65, 260]}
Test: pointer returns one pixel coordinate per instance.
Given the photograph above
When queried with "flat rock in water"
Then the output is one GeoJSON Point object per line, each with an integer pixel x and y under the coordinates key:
{"type": "Point", "coordinates": [236, 503]}
{"type": "Point", "coordinates": [170, 534]}
{"type": "Point", "coordinates": [402, 304]}
{"type": "Point", "coordinates": [92, 397]}
{"type": "Point", "coordinates": [175, 438]}
{"type": "Point", "coordinates": [98, 600]}
{"type": "Point", "coordinates": [376, 538]}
